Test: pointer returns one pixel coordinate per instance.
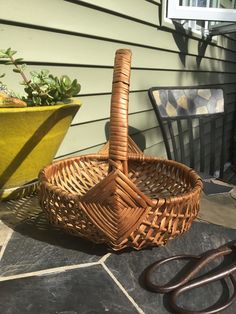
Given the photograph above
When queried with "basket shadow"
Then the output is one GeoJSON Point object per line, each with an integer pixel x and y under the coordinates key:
{"type": "Point", "coordinates": [134, 133]}
{"type": "Point", "coordinates": [27, 218]}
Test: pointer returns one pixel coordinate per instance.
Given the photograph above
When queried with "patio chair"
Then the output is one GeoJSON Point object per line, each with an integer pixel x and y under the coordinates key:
{"type": "Point", "coordinates": [192, 122]}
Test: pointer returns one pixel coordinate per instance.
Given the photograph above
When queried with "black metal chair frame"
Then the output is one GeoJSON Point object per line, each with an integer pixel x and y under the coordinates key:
{"type": "Point", "coordinates": [202, 117]}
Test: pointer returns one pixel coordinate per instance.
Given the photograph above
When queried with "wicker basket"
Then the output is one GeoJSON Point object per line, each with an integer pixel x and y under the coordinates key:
{"type": "Point", "coordinates": [119, 196]}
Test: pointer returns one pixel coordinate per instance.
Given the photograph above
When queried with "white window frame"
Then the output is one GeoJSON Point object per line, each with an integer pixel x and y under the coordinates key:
{"type": "Point", "coordinates": [175, 11]}
{"type": "Point", "coordinates": [217, 29]}
{"type": "Point", "coordinates": [190, 29]}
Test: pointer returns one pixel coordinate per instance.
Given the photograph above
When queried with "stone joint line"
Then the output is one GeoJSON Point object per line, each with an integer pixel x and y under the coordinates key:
{"type": "Point", "coordinates": [65, 268]}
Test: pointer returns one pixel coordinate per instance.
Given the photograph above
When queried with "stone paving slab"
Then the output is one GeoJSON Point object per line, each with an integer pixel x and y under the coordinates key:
{"type": "Point", "coordinates": [79, 291]}
{"type": "Point", "coordinates": [35, 246]}
{"type": "Point", "coordinates": [29, 252]}
{"type": "Point", "coordinates": [5, 234]}
{"type": "Point", "coordinates": [129, 268]}
{"type": "Point", "coordinates": [25, 210]}
{"type": "Point", "coordinates": [219, 209]}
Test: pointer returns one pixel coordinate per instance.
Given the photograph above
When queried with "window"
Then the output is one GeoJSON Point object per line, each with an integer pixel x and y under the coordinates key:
{"type": "Point", "coordinates": [208, 16]}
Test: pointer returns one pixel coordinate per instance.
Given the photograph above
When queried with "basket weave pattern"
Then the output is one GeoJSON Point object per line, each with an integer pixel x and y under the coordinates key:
{"type": "Point", "coordinates": [120, 196]}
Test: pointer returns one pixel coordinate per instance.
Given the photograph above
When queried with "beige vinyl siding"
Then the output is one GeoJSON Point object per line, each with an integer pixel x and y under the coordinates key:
{"type": "Point", "coordinates": [79, 38]}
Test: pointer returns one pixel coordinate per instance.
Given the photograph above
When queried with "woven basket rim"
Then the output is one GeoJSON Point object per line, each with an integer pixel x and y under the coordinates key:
{"type": "Point", "coordinates": [132, 157]}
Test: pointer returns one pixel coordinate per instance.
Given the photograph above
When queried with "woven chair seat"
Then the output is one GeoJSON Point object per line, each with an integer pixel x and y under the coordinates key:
{"type": "Point", "coordinates": [119, 196]}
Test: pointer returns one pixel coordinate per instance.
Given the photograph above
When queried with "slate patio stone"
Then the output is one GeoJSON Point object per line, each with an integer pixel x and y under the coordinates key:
{"type": "Point", "coordinates": [36, 245]}
{"type": "Point", "coordinates": [79, 291]}
{"type": "Point", "coordinates": [218, 209]}
{"type": "Point", "coordinates": [31, 250]}
{"type": "Point", "coordinates": [4, 233]}
{"type": "Point", "coordinates": [129, 268]}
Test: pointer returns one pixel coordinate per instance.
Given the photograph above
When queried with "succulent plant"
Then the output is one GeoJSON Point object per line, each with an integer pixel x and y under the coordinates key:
{"type": "Point", "coordinates": [42, 88]}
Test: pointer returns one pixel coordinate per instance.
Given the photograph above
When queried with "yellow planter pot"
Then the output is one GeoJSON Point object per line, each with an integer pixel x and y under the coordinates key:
{"type": "Point", "coordinates": [29, 140]}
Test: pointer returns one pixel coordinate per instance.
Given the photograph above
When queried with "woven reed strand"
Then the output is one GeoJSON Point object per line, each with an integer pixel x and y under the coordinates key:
{"type": "Point", "coordinates": [119, 111]}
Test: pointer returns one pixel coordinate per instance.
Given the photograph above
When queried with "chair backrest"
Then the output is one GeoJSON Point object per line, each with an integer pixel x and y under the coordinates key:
{"type": "Point", "coordinates": [192, 122]}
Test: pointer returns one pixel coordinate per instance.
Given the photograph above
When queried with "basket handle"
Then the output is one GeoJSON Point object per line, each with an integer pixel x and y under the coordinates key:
{"type": "Point", "coordinates": [118, 137]}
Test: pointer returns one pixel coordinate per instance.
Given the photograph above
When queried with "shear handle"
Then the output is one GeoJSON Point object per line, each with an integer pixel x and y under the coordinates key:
{"type": "Point", "coordinates": [201, 261]}
{"type": "Point", "coordinates": [221, 274]}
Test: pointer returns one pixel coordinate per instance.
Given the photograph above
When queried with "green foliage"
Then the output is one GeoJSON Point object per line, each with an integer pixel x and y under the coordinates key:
{"type": "Point", "coordinates": [42, 88]}
{"type": "Point", "coordinates": [46, 89]}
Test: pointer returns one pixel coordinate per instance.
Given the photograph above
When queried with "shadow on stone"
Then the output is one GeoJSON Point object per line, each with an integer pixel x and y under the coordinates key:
{"type": "Point", "coordinates": [26, 217]}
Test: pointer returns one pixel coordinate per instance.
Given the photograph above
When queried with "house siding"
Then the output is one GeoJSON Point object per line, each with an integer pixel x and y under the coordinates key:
{"type": "Point", "coordinates": [79, 38]}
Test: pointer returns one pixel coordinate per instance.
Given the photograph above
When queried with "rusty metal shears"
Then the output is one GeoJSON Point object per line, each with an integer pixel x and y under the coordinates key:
{"type": "Point", "coordinates": [188, 282]}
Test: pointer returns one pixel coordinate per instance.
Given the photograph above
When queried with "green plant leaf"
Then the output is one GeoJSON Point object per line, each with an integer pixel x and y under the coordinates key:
{"type": "Point", "coordinates": [34, 73]}
{"type": "Point", "coordinates": [36, 80]}
{"type": "Point", "coordinates": [49, 81]}
{"type": "Point", "coordinates": [11, 52]}
{"type": "Point", "coordinates": [19, 60]}
{"type": "Point", "coordinates": [65, 80]}
{"type": "Point", "coordinates": [41, 88]}
{"type": "Point", "coordinates": [16, 70]}
{"type": "Point", "coordinates": [8, 63]}
{"type": "Point", "coordinates": [3, 55]}
{"type": "Point", "coordinates": [45, 72]}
